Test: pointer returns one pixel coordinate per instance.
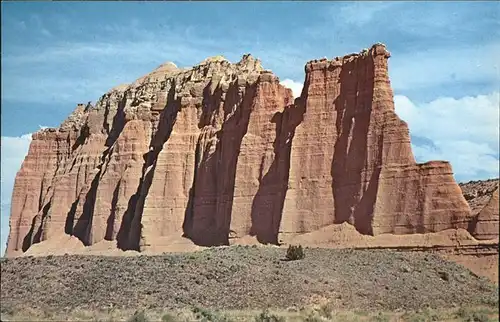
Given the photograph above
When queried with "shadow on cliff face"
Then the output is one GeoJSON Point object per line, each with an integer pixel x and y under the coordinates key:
{"type": "Point", "coordinates": [80, 140]}
{"type": "Point", "coordinates": [35, 237]}
{"type": "Point", "coordinates": [70, 218]}
{"type": "Point", "coordinates": [28, 241]}
{"type": "Point", "coordinates": [110, 223]}
{"type": "Point", "coordinates": [208, 215]}
{"type": "Point", "coordinates": [471, 227]}
{"type": "Point", "coordinates": [200, 217]}
{"type": "Point", "coordinates": [82, 229]}
{"type": "Point", "coordinates": [354, 193]}
{"type": "Point", "coordinates": [122, 238]}
{"type": "Point", "coordinates": [118, 122]}
{"type": "Point", "coordinates": [267, 205]}
{"type": "Point", "coordinates": [129, 234]}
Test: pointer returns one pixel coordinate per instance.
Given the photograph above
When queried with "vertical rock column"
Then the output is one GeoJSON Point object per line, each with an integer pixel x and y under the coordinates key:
{"type": "Point", "coordinates": [262, 169]}
{"type": "Point", "coordinates": [30, 189]}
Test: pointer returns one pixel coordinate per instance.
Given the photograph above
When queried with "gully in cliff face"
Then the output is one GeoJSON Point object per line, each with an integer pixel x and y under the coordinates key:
{"type": "Point", "coordinates": [222, 149]}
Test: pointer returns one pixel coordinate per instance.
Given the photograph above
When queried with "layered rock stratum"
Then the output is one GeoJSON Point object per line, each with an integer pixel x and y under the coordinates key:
{"type": "Point", "coordinates": [223, 151]}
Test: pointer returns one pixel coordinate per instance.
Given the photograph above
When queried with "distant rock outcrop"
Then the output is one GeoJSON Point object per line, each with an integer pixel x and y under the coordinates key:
{"type": "Point", "coordinates": [483, 199]}
{"type": "Point", "coordinates": [222, 151]}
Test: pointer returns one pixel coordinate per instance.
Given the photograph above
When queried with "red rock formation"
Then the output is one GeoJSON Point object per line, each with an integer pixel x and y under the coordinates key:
{"type": "Point", "coordinates": [221, 151]}
{"type": "Point", "coordinates": [351, 157]}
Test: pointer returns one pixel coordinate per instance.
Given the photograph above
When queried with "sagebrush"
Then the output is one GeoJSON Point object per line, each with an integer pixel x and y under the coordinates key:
{"type": "Point", "coordinates": [294, 253]}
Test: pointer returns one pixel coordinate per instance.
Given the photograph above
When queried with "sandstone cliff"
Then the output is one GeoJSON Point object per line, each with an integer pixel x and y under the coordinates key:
{"type": "Point", "coordinates": [222, 151]}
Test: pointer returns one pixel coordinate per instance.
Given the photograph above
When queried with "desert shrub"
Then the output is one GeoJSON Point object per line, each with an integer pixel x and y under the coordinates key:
{"type": "Point", "coordinates": [469, 196]}
{"type": "Point", "coordinates": [326, 310]}
{"type": "Point", "coordinates": [101, 320]}
{"type": "Point", "coordinates": [202, 313]}
{"type": "Point", "coordinates": [445, 276]}
{"type": "Point", "coordinates": [6, 309]}
{"type": "Point", "coordinates": [294, 253]}
{"type": "Point", "coordinates": [381, 317]}
{"type": "Point", "coordinates": [471, 315]}
{"type": "Point", "coordinates": [424, 315]}
{"type": "Point", "coordinates": [207, 315]}
{"type": "Point", "coordinates": [139, 316]}
{"type": "Point", "coordinates": [312, 317]}
{"type": "Point", "coordinates": [167, 317]}
{"type": "Point", "coordinates": [265, 316]}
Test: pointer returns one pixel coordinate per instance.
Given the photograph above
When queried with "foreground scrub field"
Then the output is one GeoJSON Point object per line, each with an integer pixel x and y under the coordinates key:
{"type": "Point", "coordinates": [218, 282]}
{"type": "Point", "coordinates": [316, 313]}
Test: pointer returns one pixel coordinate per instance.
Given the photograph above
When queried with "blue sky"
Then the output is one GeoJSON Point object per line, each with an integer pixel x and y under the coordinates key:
{"type": "Point", "coordinates": [444, 67]}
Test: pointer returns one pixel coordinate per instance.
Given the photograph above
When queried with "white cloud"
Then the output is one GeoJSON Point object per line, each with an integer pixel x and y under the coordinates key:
{"type": "Point", "coordinates": [417, 18]}
{"type": "Point", "coordinates": [296, 87]}
{"type": "Point", "coordinates": [4, 228]}
{"type": "Point", "coordinates": [46, 32]}
{"type": "Point", "coordinates": [131, 52]}
{"type": "Point", "coordinates": [361, 13]}
{"type": "Point", "coordinates": [437, 47]}
{"type": "Point", "coordinates": [469, 160]}
{"type": "Point", "coordinates": [64, 89]}
{"type": "Point", "coordinates": [14, 150]}
{"type": "Point", "coordinates": [21, 25]}
{"type": "Point", "coordinates": [433, 67]}
{"type": "Point", "coordinates": [464, 131]}
{"type": "Point", "coordinates": [38, 23]}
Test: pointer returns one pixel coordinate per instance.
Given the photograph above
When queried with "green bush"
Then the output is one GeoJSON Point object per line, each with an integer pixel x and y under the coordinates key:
{"type": "Point", "coordinates": [473, 315]}
{"type": "Point", "coordinates": [265, 316]}
{"type": "Point", "coordinates": [294, 253]}
{"type": "Point", "coordinates": [6, 310]}
{"type": "Point", "coordinates": [167, 317]}
{"type": "Point", "coordinates": [311, 317]}
{"type": "Point", "coordinates": [138, 316]}
{"type": "Point", "coordinates": [327, 310]}
{"type": "Point", "coordinates": [381, 317]}
{"type": "Point", "coordinates": [207, 315]}
{"type": "Point", "coordinates": [424, 315]}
